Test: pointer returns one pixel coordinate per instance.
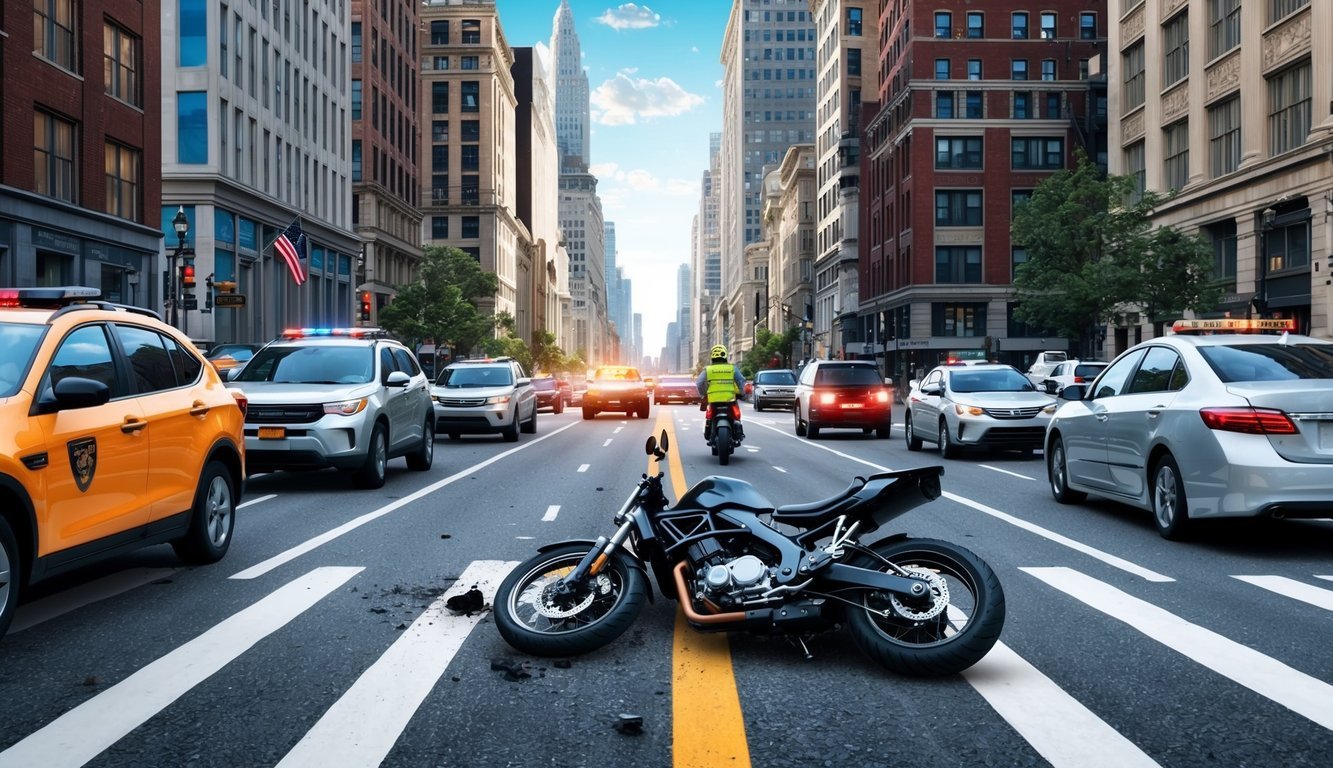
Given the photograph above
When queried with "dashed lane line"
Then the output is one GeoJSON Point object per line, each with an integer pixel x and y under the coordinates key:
{"type": "Point", "coordinates": [584, 467]}
{"type": "Point", "coordinates": [256, 501]}
{"type": "Point", "coordinates": [1316, 596]}
{"type": "Point", "coordinates": [551, 512]}
{"type": "Point", "coordinates": [608, 442]}
{"type": "Point", "coordinates": [1005, 471]}
{"type": "Point", "coordinates": [780, 469]}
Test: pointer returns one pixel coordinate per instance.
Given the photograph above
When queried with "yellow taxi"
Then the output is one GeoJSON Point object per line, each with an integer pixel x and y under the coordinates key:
{"type": "Point", "coordinates": [117, 435]}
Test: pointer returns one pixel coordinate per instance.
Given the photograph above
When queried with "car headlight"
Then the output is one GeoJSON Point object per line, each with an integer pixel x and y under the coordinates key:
{"type": "Point", "coordinates": [345, 407]}
{"type": "Point", "coordinates": [497, 400]}
{"type": "Point", "coordinates": [969, 410]}
{"type": "Point", "coordinates": [1050, 409]}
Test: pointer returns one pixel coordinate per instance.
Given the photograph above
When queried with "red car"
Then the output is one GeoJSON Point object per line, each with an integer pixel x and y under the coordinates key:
{"type": "Point", "coordinates": [549, 394]}
{"type": "Point", "coordinates": [676, 389]}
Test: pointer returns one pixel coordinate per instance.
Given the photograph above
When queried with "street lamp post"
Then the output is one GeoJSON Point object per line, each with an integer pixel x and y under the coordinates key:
{"type": "Point", "coordinates": [1260, 300]}
{"type": "Point", "coordinates": [181, 224]}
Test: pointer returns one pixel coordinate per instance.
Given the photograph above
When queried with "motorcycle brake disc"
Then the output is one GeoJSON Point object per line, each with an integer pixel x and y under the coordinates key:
{"type": "Point", "coordinates": [548, 608]}
{"type": "Point", "coordinates": [939, 596]}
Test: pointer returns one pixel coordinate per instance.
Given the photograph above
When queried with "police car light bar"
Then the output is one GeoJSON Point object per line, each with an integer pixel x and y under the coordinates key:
{"type": "Point", "coordinates": [1235, 325]}
{"type": "Point", "coordinates": [47, 298]}
{"type": "Point", "coordinates": [352, 333]}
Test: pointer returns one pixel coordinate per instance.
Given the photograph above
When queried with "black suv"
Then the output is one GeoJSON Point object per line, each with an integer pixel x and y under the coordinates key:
{"type": "Point", "coordinates": [843, 394]}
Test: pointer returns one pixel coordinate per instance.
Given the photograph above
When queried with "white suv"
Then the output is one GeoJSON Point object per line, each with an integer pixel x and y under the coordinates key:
{"type": "Point", "coordinates": [485, 397]}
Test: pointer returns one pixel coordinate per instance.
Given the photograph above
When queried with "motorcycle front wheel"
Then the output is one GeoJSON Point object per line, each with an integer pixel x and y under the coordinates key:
{"type": "Point", "coordinates": [533, 616]}
{"type": "Point", "coordinates": [943, 634]}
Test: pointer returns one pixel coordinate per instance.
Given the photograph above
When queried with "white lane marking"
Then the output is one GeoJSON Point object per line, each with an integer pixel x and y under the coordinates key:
{"type": "Point", "coordinates": [309, 545]}
{"type": "Point", "coordinates": [1320, 598]}
{"type": "Point", "coordinates": [525, 538]}
{"type": "Point", "coordinates": [1266, 676]}
{"type": "Point", "coordinates": [84, 732]}
{"type": "Point", "coordinates": [364, 723]}
{"type": "Point", "coordinates": [1005, 471]}
{"type": "Point", "coordinates": [256, 501]}
{"type": "Point", "coordinates": [780, 469]}
{"type": "Point", "coordinates": [1061, 729]}
{"type": "Point", "coordinates": [584, 467]}
{"type": "Point", "coordinates": [608, 442]}
{"type": "Point", "coordinates": [1093, 552]}
{"type": "Point", "coordinates": [1325, 578]}
{"type": "Point", "coordinates": [616, 431]}
{"type": "Point", "coordinates": [48, 608]}
{"type": "Point", "coordinates": [551, 512]}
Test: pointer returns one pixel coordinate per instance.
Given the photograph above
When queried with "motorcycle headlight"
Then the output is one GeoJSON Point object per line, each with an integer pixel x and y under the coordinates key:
{"type": "Point", "coordinates": [968, 410]}
{"type": "Point", "coordinates": [497, 400]}
{"type": "Point", "coordinates": [345, 407]}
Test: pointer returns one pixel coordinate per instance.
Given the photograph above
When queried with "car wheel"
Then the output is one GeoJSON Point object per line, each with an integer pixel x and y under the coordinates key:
{"type": "Point", "coordinates": [510, 432]}
{"type": "Point", "coordinates": [588, 413]}
{"type": "Point", "coordinates": [812, 430]}
{"type": "Point", "coordinates": [758, 405]}
{"type": "Point", "coordinates": [11, 575]}
{"type": "Point", "coordinates": [420, 459]}
{"type": "Point", "coordinates": [1169, 507]}
{"type": "Point", "coordinates": [212, 518]}
{"type": "Point", "coordinates": [530, 426]}
{"type": "Point", "coordinates": [559, 407]}
{"type": "Point", "coordinates": [913, 442]}
{"type": "Point", "coordinates": [882, 433]}
{"type": "Point", "coordinates": [643, 413]}
{"type": "Point", "coordinates": [372, 472]}
{"type": "Point", "coordinates": [1057, 470]}
{"type": "Point", "coordinates": [796, 413]}
{"type": "Point", "coordinates": [947, 448]}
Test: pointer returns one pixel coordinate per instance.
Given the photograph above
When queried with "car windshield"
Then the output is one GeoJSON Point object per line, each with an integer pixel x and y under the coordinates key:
{"type": "Point", "coordinates": [18, 344]}
{"type": "Point", "coordinates": [990, 381]}
{"type": "Point", "coordinates": [472, 377]}
{"type": "Point", "coordinates": [543, 385]}
{"type": "Point", "coordinates": [1270, 362]}
{"type": "Point", "coordinates": [313, 364]}
{"type": "Point", "coordinates": [846, 376]}
{"type": "Point", "coordinates": [775, 377]}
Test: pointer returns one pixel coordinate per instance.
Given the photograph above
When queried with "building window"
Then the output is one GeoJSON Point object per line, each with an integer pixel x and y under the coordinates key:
{"type": "Point", "coordinates": [974, 69]}
{"type": "Point", "coordinates": [122, 181]}
{"type": "Point", "coordinates": [192, 127]}
{"type": "Point", "coordinates": [469, 62]}
{"type": "Point", "coordinates": [957, 207]}
{"type": "Point", "coordinates": [1176, 154]}
{"type": "Point", "coordinates": [958, 264]}
{"type": "Point", "coordinates": [1134, 76]}
{"type": "Point", "coordinates": [1020, 26]}
{"type": "Point", "coordinates": [1018, 69]}
{"type": "Point", "coordinates": [1037, 153]}
{"type": "Point", "coordinates": [1176, 44]}
{"type": "Point", "coordinates": [1224, 137]}
{"type": "Point", "coordinates": [958, 319]}
{"type": "Point", "coordinates": [975, 105]}
{"type": "Point", "coordinates": [356, 42]}
{"type": "Point", "coordinates": [1288, 246]}
{"type": "Point", "coordinates": [942, 69]}
{"type": "Point", "coordinates": [439, 98]}
{"type": "Point", "coordinates": [1047, 25]}
{"type": "Point", "coordinates": [356, 160]}
{"type": "Point", "coordinates": [439, 158]}
{"type": "Point", "coordinates": [854, 22]}
{"type": "Point", "coordinates": [121, 64]}
{"type": "Point", "coordinates": [193, 49]}
{"type": "Point", "coordinates": [471, 130]}
{"type": "Point", "coordinates": [943, 24]}
{"type": "Point", "coordinates": [1280, 9]}
{"type": "Point", "coordinates": [53, 156]}
{"type": "Point", "coordinates": [439, 130]}
{"type": "Point", "coordinates": [470, 192]}
{"type": "Point", "coordinates": [1087, 26]}
{"type": "Point", "coordinates": [1223, 26]}
{"type": "Point", "coordinates": [439, 188]}
{"type": "Point", "coordinates": [356, 99]}
{"type": "Point", "coordinates": [470, 159]}
{"type": "Point", "coordinates": [471, 32]}
{"type": "Point", "coordinates": [1288, 108]}
{"type": "Point", "coordinates": [439, 227]}
{"type": "Point", "coordinates": [471, 96]}
{"type": "Point", "coordinates": [944, 105]}
{"type": "Point", "coordinates": [1048, 69]}
{"type": "Point", "coordinates": [439, 32]}
{"type": "Point", "coordinates": [1053, 104]}
{"type": "Point", "coordinates": [958, 152]}
{"type": "Point", "coordinates": [854, 61]}
{"type": "Point", "coordinates": [439, 63]}
{"type": "Point", "coordinates": [1023, 105]}
{"type": "Point", "coordinates": [1136, 168]}
{"type": "Point", "coordinates": [54, 32]}
{"type": "Point", "coordinates": [471, 227]}
{"type": "Point", "coordinates": [1017, 258]}
{"type": "Point", "coordinates": [976, 25]}
{"type": "Point", "coordinates": [1222, 235]}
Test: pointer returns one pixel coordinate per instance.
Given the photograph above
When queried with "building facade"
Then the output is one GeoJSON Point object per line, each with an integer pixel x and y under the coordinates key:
{"type": "Point", "coordinates": [682, 359]}
{"type": "Point", "coordinates": [572, 116]}
{"type": "Point", "coordinates": [546, 283]}
{"type": "Point", "coordinates": [581, 223]}
{"type": "Point", "coordinates": [792, 254]}
{"type": "Point", "coordinates": [706, 253]}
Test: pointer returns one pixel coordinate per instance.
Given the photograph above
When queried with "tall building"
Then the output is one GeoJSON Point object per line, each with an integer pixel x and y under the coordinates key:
{"type": "Point", "coordinates": [976, 106]}
{"type": "Point", "coordinates": [468, 102]}
{"type": "Point", "coordinates": [792, 255]}
{"type": "Point", "coordinates": [638, 338]}
{"type": "Point", "coordinates": [1240, 126]}
{"type": "Point", "coordinates": [571, 90]}
{"type": "Point", "coordinates": [80, 148]}
{"type": "Point", "coordinates": [386, 190]}
{"type": "Point", "coordinates": [682, 355]}
{"type": "Point", "coordinates": [706, 252]}
{"type": "Point", "coordinates": [613, 298]}
{"type": "Point", "coordinates": [546, 279]}
{"type": "Point", "coordinates": [848, 50]}
{"type": "Point", "coordinates": [256, 133]}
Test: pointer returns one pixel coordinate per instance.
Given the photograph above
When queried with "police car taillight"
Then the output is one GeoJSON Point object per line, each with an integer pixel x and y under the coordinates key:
{"type": "Point", "coordinates": [47, 298]}
{"type": "Point", "coordinates": [1235, 325]}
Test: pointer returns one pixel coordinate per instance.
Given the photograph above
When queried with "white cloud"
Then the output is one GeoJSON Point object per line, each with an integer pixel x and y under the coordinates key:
{"type": "Point", "coordinates": [629, 16]}
{"type": "Point", "coordinates": [623, 100]}
{"type": "Point", "coordinates": [682, 187]}
{"type": "Point", "coordinates": [604, 170]}
{"type": "Point", "coordinates": [694, 49]}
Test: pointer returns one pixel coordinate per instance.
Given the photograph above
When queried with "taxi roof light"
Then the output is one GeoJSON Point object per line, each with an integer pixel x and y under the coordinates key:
{"type": "Point", "coordinates": [1235, 325]}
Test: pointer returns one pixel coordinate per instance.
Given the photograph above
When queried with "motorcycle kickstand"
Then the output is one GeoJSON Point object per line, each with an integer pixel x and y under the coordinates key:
{"type": "Point", "coordinates": [805, 649]}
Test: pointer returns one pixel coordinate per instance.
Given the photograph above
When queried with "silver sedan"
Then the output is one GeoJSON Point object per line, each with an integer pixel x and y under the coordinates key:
{"type": "Point", "coordinates": [1202, 426]}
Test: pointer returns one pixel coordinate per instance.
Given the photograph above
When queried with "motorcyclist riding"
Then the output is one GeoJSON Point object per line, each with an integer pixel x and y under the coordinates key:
{"type": "Point", "coordinates": [720, 382]}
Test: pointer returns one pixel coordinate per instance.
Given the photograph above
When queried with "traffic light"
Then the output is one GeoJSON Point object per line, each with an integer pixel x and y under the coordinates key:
{"type": "Point", "coordinates": [187, 277]}
{"type": "Point", "coordinates": [365, 305]}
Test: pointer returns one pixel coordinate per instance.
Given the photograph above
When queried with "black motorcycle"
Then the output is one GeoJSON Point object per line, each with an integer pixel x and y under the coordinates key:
{"type": "Point", "coordinates": [722, 429]}
{"type": "Point", "coordinates": [917, 606]}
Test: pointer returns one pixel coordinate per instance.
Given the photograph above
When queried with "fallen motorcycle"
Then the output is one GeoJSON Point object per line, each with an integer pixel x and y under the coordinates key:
{"type": "Point", "coordinates": [920, 607]}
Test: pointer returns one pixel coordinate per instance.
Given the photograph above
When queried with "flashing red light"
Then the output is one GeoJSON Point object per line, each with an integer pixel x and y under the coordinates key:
{"type": "Point", "coordinates": [1250, 421]}
{"type": "Point", "coordinates": [9, 297]}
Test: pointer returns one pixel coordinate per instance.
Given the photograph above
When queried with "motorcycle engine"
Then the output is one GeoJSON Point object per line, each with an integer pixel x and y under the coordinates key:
{"type": "Point", "coordinates": [731, 583]}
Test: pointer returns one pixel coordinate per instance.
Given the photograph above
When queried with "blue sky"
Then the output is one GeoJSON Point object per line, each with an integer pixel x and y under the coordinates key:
{"type": "Point", "coordinates": [653, 75]}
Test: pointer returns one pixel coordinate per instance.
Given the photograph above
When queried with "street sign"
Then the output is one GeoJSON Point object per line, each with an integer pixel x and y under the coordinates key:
{"type": "Point", "coordinates": [232, 300]}
{"type": "Point", "coordinates": [191, 302]}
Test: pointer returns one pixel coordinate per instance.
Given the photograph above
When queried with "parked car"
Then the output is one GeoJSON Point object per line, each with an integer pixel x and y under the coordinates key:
{"type": "Point", "coordinates": [227, 356]}
{"type": "Point", "coordinates": [616, 388]}
{"type": "Point", "coordinates": [774, 387]}
{"type": "Point", "coordinates": [991, 405]}
{"type": "Point", "coordinates": [1193, 427]}
{"type": "Point", "coordinates": [1041, 368]}
{"type": "Point", "coordinates": [347, 398]}
{"type": "Point", "coordinates": [675, 388]}
{"type": "Point", "coordinates": [1071, 372]}
{"type": "Point", "coordinates": [117, 435]}
{"type": "Point", "coordinates": [549, 394]}
{"type": "Point", "coordinates": [485, 396]}
{"type": "Point", "coordinates": [842, 394]}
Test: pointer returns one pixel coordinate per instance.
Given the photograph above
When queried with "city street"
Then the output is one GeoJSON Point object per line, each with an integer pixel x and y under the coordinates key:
{"type": "Point", "coordinates": [322, 639]}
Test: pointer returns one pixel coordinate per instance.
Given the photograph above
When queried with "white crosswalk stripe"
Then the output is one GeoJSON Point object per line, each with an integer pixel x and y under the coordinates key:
{"type": "Point", "coordinates": [1297, 590]}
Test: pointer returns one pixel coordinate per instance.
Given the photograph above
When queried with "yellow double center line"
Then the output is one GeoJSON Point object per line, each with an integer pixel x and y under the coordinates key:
{"type": "Point", "coordinates": [708, 729]}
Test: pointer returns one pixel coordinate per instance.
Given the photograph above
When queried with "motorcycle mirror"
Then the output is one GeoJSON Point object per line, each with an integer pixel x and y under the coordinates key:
{"type": "Point", "coordinates": [650, 447]}
{"type": "Point", "coordinates": [666, 444]}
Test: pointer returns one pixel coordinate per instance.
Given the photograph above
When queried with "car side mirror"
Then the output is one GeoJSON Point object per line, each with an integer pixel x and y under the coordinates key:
{"type": "Point", "coordinates": [1073, 392]}
{"type": "Point", "coordinates": [524, 382]}
{"type": "Point", "coordinates": [397, 379]}
{"type": "Point", "coordinates": [1050, 386]}
{"type": "Point", "coordinates": [913, 384]}
{"type": "Point", "coordinates": [74, 392]}
{"type": "Point", "coordinates": [934, 388]}
{"type": "Point", "coordinates": [888, 382]}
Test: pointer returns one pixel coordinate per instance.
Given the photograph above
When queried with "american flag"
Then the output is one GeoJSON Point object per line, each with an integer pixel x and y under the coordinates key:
{"type": "Point", "coordinates": [291, 244]}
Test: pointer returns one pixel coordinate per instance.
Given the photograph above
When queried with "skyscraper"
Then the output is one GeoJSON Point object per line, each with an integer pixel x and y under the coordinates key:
{"type": "Point", "coordinates": [571, 89]}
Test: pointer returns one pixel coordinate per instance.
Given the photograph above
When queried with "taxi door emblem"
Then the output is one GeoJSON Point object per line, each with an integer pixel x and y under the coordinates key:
{"type": "Point", "coordinates": [83, 461]}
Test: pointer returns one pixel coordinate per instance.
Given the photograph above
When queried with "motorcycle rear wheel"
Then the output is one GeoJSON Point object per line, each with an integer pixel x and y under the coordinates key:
{"type": "Point", "coordinates": [722, 439]}
{"type": "Point", "coordinates": [532, 619]}
{"type": "Point", "coordinates": [921, 645]}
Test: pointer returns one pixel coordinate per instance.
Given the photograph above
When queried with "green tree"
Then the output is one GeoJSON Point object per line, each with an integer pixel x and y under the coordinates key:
{"type": "Point", "coordinates": [441, 304]}
{"type": "Point", "coordinates": [1092, 251]}
{"type": "Point", "coordinates": [546, 354]}
{"type": "Point", "coordinates": [769, 346]}
{"type": "Point", "coordinates": [506, 344]}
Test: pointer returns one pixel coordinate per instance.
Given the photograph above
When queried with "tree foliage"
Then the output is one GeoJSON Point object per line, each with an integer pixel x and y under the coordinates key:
{"type": "Point", "coordinates": [769, 346]}
{"type": "Point", "coordinates": [441, 304]}
{"type": "Point", "coordinates": [1092, 251]}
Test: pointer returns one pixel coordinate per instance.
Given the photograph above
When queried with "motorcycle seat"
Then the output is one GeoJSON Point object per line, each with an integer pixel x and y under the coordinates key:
{"type": "Point", "coordinates": [812, 512]}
